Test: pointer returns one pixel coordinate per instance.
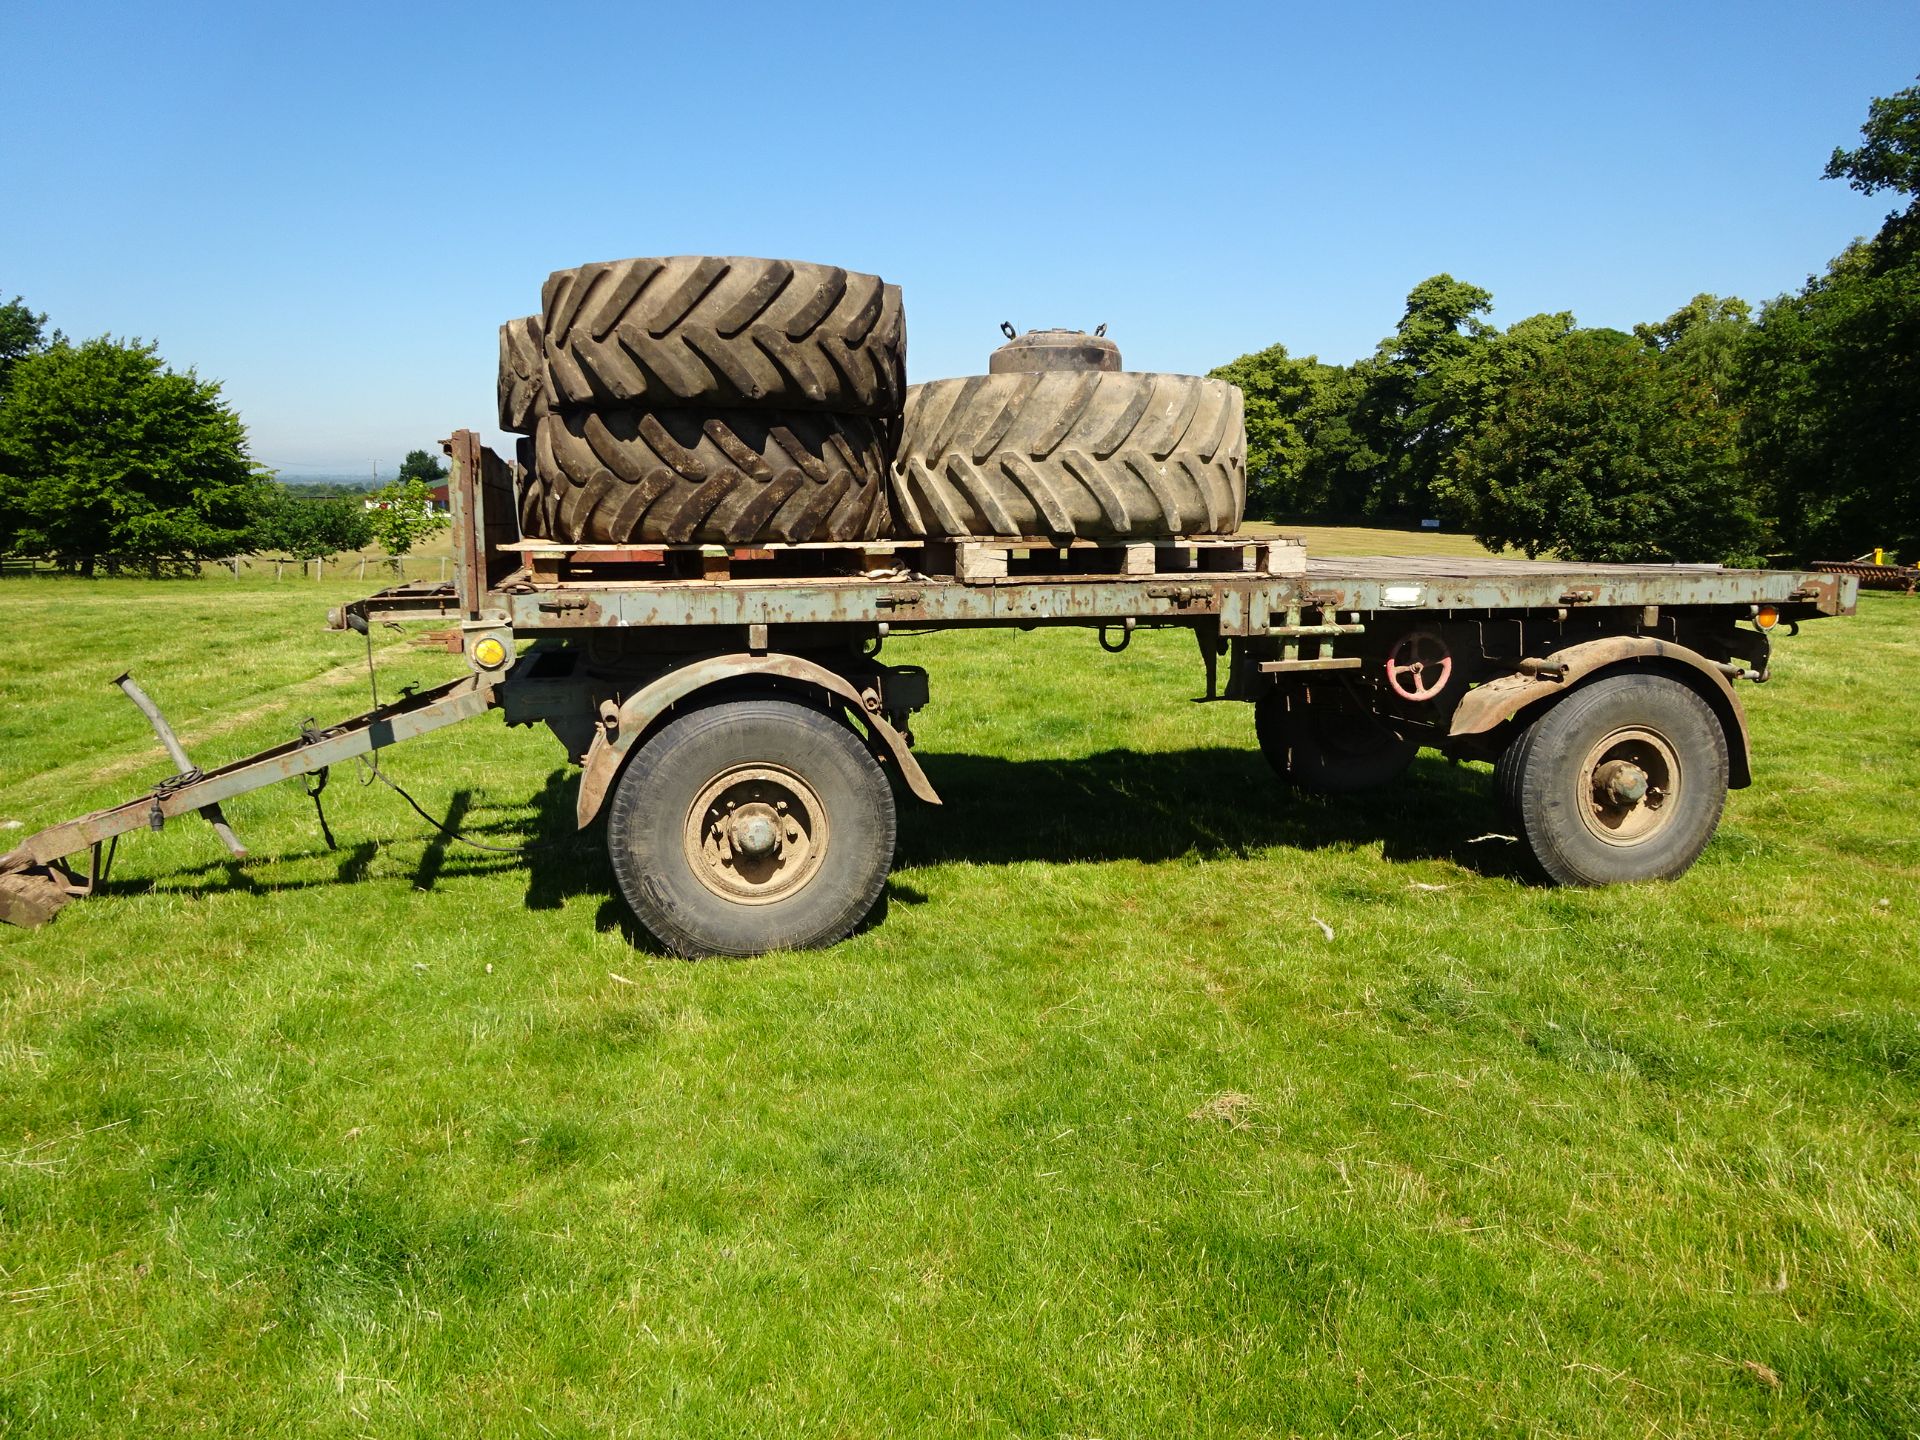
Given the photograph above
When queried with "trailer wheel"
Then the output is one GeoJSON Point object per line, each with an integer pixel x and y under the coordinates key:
{"type": "Point", "coordinates": [1623, 780]}
{"type": "Point", "coordinates": [751, 825]}
{"type": "Point", "coordinates": [1328, 745]}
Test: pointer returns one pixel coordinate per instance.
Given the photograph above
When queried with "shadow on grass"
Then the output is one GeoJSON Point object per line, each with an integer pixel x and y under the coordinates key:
{"type": "Point", "coordinates": [1129, 805]}
{"type": "Point", "coordinates": [1116, 805]}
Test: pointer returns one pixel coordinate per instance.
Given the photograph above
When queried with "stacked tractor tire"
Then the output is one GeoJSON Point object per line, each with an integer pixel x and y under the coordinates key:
{"type": "Point", "coordinates": [705, 398]}
{"type": "Point", "coordinates": [735, 401]}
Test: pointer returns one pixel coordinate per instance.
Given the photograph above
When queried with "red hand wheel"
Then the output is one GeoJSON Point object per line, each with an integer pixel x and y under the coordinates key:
{"type": "Point", "coordinates": [1419, 665]}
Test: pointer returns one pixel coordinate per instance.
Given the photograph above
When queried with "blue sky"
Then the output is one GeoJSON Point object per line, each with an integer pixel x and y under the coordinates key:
{"type": "Point", "coordinates": [330, 208]}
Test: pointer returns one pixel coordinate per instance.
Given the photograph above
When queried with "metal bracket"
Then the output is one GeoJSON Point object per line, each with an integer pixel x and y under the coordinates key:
{"type": "Point", "coordinates": [190, 774]}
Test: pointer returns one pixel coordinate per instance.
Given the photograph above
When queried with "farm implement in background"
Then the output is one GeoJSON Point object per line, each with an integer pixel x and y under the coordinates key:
{"type": "Point", "coordinates": [1874, 570]}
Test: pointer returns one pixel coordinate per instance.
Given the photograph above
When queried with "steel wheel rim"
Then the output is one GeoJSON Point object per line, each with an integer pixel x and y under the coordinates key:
{"type": "Point", "coordinates": [1629, 787]}
{"type": "Point", "coordinates": [756, 834]}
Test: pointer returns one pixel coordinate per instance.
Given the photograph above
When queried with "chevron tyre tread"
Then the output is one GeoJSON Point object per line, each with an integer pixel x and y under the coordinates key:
{"type": "Point", "coordinates": [727, 331]}
{"type": "Point", "coordinates": [730, 477]}
{"type": "Point", "coordinates": [523, 376]}
{"type": "Point", "coordinates": [1072, 455]}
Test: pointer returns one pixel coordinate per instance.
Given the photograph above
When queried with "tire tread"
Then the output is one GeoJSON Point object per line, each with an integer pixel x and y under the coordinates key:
{"type": "Point", "coordinates": [1072, 455]}
{"type": "Point", "coordinates": [725, 331]}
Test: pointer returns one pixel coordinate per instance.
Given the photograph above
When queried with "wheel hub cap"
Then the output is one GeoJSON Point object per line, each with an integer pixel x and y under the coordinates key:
{"type": "Point", "coordinates": [1624, 782]}
{"type": "Point", "coordinates": [756, 834]}
{"type": "Point", "coordinates": [1628, 786]}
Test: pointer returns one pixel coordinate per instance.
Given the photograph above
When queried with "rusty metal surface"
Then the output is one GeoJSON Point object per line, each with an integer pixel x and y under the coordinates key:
{"type": "Point", "coordinates": [1873, 577]}
{"type": "Point", "coordinates": [1536, 681]}
{"type": "Point", "coordinates": [430, 710]}
{"type": "Point", "coordinates": [1044, 350]}
{"type": "Point", "coordinates": [31, 897]}
{"type": "Point", "coordinates": [1246, 603]}
{"type": "Point", "coordinates": [605, 756]}
{"type": "Point", "coordinates": [469, 524]}
{"type": "Point", "coordinates": [416, 600]}
{"type": "Point", "coordinates": [178, 754]}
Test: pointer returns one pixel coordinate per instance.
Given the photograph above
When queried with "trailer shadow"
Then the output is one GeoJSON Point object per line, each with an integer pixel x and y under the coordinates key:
{"type": "Point", "coordinates": [1151, 806]}
{"type": "Point", "coordinates": [1114, 805]}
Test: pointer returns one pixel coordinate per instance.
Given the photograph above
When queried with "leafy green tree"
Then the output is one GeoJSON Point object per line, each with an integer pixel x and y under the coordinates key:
{"type": "Point", "coordinates": [1300, 440]}
{"type": "Point", "coordinates": [1831, 376]}
{"type": "Point", "coordinates": [311, 527]}
{"type": "Point", "coordinates": [1420, 390]}
{"type": "Point", "coordinates": [22, 333]}
{"type": "Point", "coordinates": [1707, 337]}
{"type": "Point", "coordinates": [420, 465]}
{"type": "Point", "coordinates": [1889, 159]}
{"type": "Point", "coordinates": [1831, 380]}
{"type": "Point", "coordinates": [108, 455]}
{"type": "Point", "coordinates": [1609, 451]}
{"type": "Point", "coordinates": [403, 515]}
{"type": "Point", "coordinates": [1377, 437]}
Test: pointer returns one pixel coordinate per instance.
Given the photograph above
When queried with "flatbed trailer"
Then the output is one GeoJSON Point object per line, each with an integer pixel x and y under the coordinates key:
{"type": "Point", "coordinates": [737, 727]}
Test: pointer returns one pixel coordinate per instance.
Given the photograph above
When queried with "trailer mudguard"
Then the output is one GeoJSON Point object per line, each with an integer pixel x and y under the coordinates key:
{"type": "Point", "coordinates": [1490, 705]}
{"type": "Point", "coordinates": [637, 713]}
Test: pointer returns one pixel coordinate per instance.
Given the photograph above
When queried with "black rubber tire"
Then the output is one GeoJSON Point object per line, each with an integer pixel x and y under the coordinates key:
{"type": "Point", "coordinates": [1539, 780]}
{"type": "Point", "coordinates": [651, 803]}
{"type": "Point", "coordinates": [725, 330]}
{"type": "Point", "coordinates": [522, 386]}
{"type": "Point", "coordinates": [1072, 455]}
{"type": "Point", "coordinates": [532, 498]}
{"type": "Point", "coordinates": [1322, 743]}
{"type": "Point", "coordinates": [722, 477]}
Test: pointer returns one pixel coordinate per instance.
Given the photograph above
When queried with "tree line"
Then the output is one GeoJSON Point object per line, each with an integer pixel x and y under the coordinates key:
{"type": "Point", "coordinates": [111, 460]}
{"type": "Point", "coordinates": [1717, 433]}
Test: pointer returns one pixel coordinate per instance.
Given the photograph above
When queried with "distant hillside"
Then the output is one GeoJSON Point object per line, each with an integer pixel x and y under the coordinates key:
{"type": "Point", "coordinates": [318, 483]}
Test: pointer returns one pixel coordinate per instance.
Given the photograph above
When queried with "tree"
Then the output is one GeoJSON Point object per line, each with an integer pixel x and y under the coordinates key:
{"type": "Point", "coordinates": [1377, 437]}
{"type": "Point", "coordinates": [1420, 391]}
{"type": "Point", "coordinates": [311, 527]}
{"type": "Point", "coordinates": [1831, 376]}
{"type": "Point", "coordinates": [1831, 381]}
{"type": "Point", "coordinates": [1888, 160]}
{"type": "Point", "coordinates": [106, 454]}
{"type": "Point", "coordinates": [419, 465]}
{"type": "Point", "coordinates": [1707, 336]}
{"type": "Point", "coordinates": [403, 515]}
{"type": "Point", "coordinates": [1300, 440]}
{"type": "Point", "coordinates": [1609, 450]}
{"type": "Point", "coordinates": [22, 333]}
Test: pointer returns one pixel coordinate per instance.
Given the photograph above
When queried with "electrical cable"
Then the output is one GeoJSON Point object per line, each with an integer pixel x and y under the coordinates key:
{"type": "Point", "coordinates": [373, 772]}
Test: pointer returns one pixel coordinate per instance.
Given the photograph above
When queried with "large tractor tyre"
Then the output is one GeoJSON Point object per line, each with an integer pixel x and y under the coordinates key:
{"type": "Point", "coordinates": [1072, 455]}
{"type": "Point", "coordinates": [1623, 780]}
{"type": "Point", "coordinates": [522, 385]}
{"type": "Point", "coordinates": [749, 826]}
{"type": "Point", "coordinates": [713, 330]}
{"type": "Point", "coordinates": [1326, 744]}
{"type": "Point", "coordinates": [526, 498]}
{"type": "Point", "coordinates": [724, 478]}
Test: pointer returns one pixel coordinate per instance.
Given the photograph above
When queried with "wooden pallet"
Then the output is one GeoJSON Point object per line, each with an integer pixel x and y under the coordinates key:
{"type": "Point", "coordinates": [553, 563]}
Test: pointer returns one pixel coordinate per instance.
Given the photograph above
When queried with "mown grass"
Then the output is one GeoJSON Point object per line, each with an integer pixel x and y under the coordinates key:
{"type": "Point", "coordinates": [1097, 1134]}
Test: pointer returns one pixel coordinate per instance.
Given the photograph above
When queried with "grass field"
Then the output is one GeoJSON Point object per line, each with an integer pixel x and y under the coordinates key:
{"type": "Point", "coordinates": [1098, 1134]}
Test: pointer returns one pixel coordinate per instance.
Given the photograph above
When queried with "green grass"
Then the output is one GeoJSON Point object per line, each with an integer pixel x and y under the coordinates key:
{"type": "Point", "coordinates": [1097, 1134]}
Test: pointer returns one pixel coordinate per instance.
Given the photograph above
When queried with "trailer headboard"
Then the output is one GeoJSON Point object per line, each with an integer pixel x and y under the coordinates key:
{"type": "Point", "coordinates": [485, 517]}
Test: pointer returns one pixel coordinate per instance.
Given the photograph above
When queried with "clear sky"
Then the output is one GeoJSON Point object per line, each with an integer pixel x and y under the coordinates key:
{"type": "Point", "coordinates": [330, 208]}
